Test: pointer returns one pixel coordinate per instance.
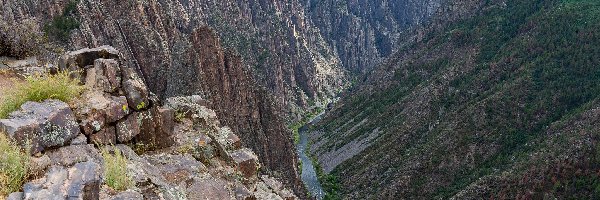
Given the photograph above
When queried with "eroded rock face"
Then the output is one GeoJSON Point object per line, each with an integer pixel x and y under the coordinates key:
{"type": "Point", "coordinates": [41, 125]}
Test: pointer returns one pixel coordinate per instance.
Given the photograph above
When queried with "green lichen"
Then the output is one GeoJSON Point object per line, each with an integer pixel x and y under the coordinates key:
{"type": "Point", "coordinates": [141, 105]}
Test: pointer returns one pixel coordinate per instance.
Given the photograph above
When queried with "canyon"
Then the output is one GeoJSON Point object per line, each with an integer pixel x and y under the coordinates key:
{"type": "Point", "coordinates": [424, 99]}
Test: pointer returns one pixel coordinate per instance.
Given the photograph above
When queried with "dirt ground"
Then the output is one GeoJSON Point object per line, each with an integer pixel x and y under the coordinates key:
{"type": "Point", "coordinates": [7, 80]}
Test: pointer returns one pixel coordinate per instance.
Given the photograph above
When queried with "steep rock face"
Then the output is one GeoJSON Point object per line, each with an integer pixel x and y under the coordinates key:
{"type": "Point", "coordinates": [164, 41]}
{"type": "Point", "coordinates": [363, 33]}
{"type": "Point", "coordinates": [241, 105]}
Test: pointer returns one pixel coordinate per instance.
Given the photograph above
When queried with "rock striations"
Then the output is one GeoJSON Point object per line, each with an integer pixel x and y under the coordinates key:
{"type": "Point", "coordinates": [178, 150]}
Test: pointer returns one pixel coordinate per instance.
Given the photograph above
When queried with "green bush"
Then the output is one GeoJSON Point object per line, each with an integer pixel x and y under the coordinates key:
{"type": "Point", "coordinates": [39, 88]}
{"type": "Point", "coordinates": [115, 170]}
{"type": "Point", "coordinates": [61, 26]}
{"type": "Point", "coordinates": [13, 166]}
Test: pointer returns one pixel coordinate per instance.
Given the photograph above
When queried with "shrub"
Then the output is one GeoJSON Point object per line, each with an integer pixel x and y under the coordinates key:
{"type": "Point", "coordinates": [39, 88]}
{"type": "Point", "coordinates": [61, 26]}
{"type": "Point", "coordinates": [13, 166]}
{"type": "Point", "coordinates": [115, 170]}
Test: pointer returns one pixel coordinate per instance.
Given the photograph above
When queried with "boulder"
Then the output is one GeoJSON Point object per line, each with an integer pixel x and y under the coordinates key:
{"type": "Point", "coordinates": [228, 139]}
{"type": "Point", "coordinates": [127, 195]}
{"type": "Point", "coordinates": [82, 181]}
{"type": "Point", "coordinates": [156, 127]}
{"type": "Point", "coordinates": [76, 60]}
{"type": "Point", "coordinates": [41, 125]}
{"type": "Point", "coordinates": [106, 136]}
{"type": "Point", "coordinates": [96, 110]}
{"type": "Point", "coordinates": [246, 162]}
{"type": "Point", "coordinates": [70, 155]}
{"type": "Point", "coordinates": [135, 90]}
{"type": "Point", "coordinates": [105, 76]}
{"type": "Point", "coordinates": [194, 107]}
{"type": "Point", "coordinates": [128, 128]}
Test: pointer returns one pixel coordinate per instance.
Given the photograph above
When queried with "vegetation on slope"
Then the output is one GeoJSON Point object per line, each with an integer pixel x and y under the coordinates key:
{"type": "Point", "coordinates": [13, 166]}
{"type": "Point", "coordinates": [469, 101]}
{"type": "Point", "coordinates": [115, 170]}
{"type": "Point", "coordinates": [39, 88]}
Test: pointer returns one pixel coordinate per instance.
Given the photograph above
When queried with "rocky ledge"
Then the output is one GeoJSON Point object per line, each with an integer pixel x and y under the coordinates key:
{"type": "Point", "coordinates": [175, 150]}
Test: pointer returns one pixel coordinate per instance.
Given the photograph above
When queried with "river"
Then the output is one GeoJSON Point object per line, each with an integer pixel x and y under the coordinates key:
{"type": "Point", "coordinates": [309, 175]}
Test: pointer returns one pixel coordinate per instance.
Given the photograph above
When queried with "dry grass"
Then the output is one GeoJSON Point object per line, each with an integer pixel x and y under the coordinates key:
{"type": "Point", "coordinates": [115, 170]}
{"type": "Point", "coordinates": [40, 88]}
{"type": "Point", "coordinates": [13, 166]}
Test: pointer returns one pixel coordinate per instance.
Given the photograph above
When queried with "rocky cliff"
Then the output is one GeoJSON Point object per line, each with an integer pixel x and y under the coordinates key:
{"type": "Point", "coordinates": [169, 44]}
{"type": "Point", "coordinates": [363, 33]}
{"type": "Point", "coordinates": [173, 149]}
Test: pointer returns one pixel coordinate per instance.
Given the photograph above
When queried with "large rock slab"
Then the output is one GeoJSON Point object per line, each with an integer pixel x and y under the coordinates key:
{"type": "Point", "coordinates": [82, 181]}
{"type": "Point", "coordinates": [176, 169]}
{"type": "Point", "coordinates": [70, 155]}
{"type": "Point", "coordinates": [106, 136]}
{"type": "Point", "coordinates": [41, 125]}
{"type": "Point", "coordinates": [76, 60]}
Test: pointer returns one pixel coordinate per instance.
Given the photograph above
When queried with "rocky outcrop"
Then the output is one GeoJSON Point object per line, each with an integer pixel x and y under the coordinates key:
{"type": "Point", "coordinates": [191, 157]}
{"type": "Point", "coordinates": [39, 126]}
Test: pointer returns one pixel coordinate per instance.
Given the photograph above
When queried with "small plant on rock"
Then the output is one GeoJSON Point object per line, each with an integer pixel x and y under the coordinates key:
{"type": "Point", "coordinates": [39, 88]}
{"type": "Point", "coordinates": [115, 169]}
{"type": "Point", "coordinates": [13, 166]}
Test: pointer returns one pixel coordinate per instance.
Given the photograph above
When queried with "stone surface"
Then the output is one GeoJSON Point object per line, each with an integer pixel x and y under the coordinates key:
{"type": "Point", "coordinates": [41, 125]}
{"type": "Point", "coordinates": [127, 195]}
{"type": "Point", "coordinates": [79, 140]}
{"type": "Point", "coordinates": [38, 165]}
{"type": "Point", "coordinates": [176, 168]}
{"type": "Point", "coordinates": [105, 75]}
{"type": "Point", "coordinates": [95, 110]}
{"type": "Point", "coordinates": [156, 127]}
{"type": "Point", "coordinates": [208, 188]}
{"type": "Point", "coordinates": [69, 155]}
{"type": "Point", "coordinates": [82, 181]}
{"type": "Point", "coordinates": [16, 196]}
{"type": "Point", "coordinates": [246, 162]}
{"type": "Point", "coordinates": [135, 90]}
{"type": "Point", "coordinates": [106, 136]}
{"type": "Point", "coordinates": [128, 128]}
{"type": "Point", "coordinates": [76, 60]}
